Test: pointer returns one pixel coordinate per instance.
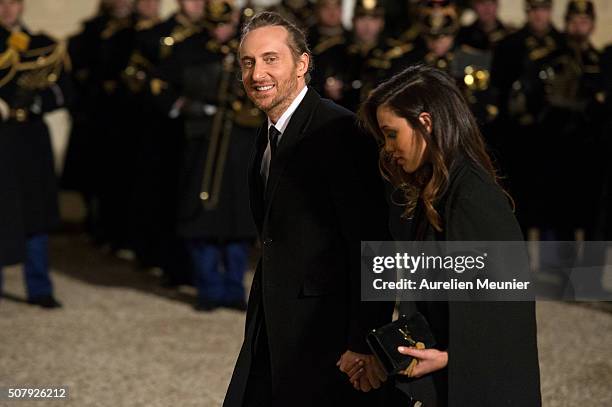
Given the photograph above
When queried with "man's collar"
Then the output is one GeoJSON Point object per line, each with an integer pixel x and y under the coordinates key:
{"type": "Point", "coordinates": [283, 121]}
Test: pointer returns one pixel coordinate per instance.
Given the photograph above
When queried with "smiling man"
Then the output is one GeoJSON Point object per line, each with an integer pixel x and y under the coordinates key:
{"type": "Point", "coordinates": [315, 194]}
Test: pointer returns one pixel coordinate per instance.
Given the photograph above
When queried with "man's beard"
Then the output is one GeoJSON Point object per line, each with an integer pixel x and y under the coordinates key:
{"type": "Point", "coordinates": [282, 99]}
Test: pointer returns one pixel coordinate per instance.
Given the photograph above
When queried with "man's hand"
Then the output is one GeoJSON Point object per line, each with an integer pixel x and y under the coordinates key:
{"type": "Point", "coordinates": [364, 371]}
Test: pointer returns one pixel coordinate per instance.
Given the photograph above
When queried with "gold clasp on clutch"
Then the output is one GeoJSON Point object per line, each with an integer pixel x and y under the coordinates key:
{"type": "Point", "coordinates": [407, 335]}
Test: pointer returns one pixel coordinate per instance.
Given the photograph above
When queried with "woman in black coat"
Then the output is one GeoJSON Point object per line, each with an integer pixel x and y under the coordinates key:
{"type": "Point", "coordinates": [433, 153]}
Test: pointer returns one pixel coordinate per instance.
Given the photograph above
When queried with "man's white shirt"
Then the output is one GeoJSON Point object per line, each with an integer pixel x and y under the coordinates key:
{"type": "Point", "coordinates": [281, 126]}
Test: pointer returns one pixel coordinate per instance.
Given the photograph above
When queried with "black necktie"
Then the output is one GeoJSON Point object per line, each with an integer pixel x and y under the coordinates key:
{"type": "Point", "coordinates": [273, 135]}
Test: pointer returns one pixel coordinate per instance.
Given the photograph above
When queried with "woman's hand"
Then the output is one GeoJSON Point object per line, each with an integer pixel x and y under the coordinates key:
{"type": "Point", "coordinates": [427, 361]}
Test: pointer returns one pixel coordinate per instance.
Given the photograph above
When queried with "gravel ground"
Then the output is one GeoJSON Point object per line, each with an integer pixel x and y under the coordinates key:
{"type": "Point", "coordinates": [120, 340]}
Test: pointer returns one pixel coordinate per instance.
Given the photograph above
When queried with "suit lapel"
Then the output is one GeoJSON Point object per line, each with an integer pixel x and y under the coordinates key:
{"type": "Point", "coordinates": [291, 137]}
{"type": "Point", "coordinates": [256, 186]}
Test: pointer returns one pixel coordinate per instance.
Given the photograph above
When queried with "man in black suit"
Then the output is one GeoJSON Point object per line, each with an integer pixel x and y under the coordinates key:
{"type": "Point", "coordinates": [315, 194]}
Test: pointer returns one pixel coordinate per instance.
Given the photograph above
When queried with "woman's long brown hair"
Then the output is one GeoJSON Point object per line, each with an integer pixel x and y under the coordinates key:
{"type": "Point", "coordinates": [454, 132]}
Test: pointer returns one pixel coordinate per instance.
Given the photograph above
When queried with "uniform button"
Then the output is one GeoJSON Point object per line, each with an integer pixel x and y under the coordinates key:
{"type": "Point", "coordinates": [267, 242]}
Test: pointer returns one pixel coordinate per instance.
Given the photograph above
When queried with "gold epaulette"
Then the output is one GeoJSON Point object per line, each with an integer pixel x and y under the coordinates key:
{"type": "Point", "coordinates": [407, 38]}
{"type": "Point", "coordinates": [410, 34]}
{"type": "Point", "coordinates": [379, 63]}
{"type": "Point", "coordinates": [398, 51]}
{"type": "Point", "coordinates": [328, 43]}
{"type": "Point", "coordinates": [6, 57]}
{"type": "Point", "coordinates": [498, 35]}
{"type": "Point", "coordinates": [364, 50]}
{"type": "Point", "coordinates": [215, 46]}
{"type": "Point", "coordinates": [19, 41]}
{"type": "Point", "coordinates": [468, 49]}
{"type": "Point", "coordinates": [146, 24]}
{"type": "Point", "coordinates": [180, 33]}
{"type": "Point", "coordinates": [114, 26]}
{"type": "Point", "coordinates": [38, 68]}
{"type": "Point", "coordinates": [539, 53]}
{"type": "Point", "coordinates": [8, 60]}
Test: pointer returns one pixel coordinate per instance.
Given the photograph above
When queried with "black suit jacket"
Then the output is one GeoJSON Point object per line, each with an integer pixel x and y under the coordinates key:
{"type": "Point", "coordinates": [324, 195]}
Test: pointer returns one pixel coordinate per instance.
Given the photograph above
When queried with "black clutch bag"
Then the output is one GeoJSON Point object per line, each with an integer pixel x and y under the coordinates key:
{"type": "Point", "coordinates": [404, 331]}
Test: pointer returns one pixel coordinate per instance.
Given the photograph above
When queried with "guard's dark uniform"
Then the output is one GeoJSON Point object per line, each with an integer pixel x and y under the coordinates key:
{"type": "Point", "coordinates": [198, 83]}
{"type": "Point", "coordinates": [12, 232]}
{"type": "Point", "coordinates": [102, 51]}
{"type": "Point", "coordinates": [401, 22]}
{"type": "Point", "coordinates": [328, 47]}
{"type": "Point", "coordinates": [32, 83]}
{"type": "Point", "coordinates": [606, 216]}
{"type": "Point", "coordinates": [475, 36]}
{"type": "Point", "coordinates": [469, 66]}
{"type": "Point", "coordinates": [367, 65]}
{"type": "Point", "coordinates": [156, 160]}
{"type": "Point", "coordinates": [79, 165]}
{"type": "Point", "coordinates": [516, 76]}
{"type": "Point", "coordinates": [116, 139]}
{"type": "Point", "coordinates": [299, 12]}
{"type": "Point", "coordinates": [573, 121]}
{"type": "Point", "coordinates": [159, 142]}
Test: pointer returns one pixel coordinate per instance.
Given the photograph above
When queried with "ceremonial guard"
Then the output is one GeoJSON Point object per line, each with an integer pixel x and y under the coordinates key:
{"type": "Point", "coordinates": [153, 192]}
{"type": "Point", "coordinates": [32, 83]}
{"type": "Point", "coordinates": [520, 80]}
{"type": "Point", "coordinates": [402, 26]}
{"type": "Point", "coordinates": [470, 67]}
{"type": "Point", "coordinates": [328, 40]}
{"type": "Point", "coordinates": [79, 167]}
{"type": "Point", "coordinates": [369, 57]}
{"type": "Point", "coordinates": [573, 123]}
{"type": "Point", "coordinates": [116, 139]}
{"type": "Point", "coordinates": [198, 84]}
{"type": "Point", "coordinates": [141, 124]}
{"type": "Point", "coordinates": [102, 51]}
{"type": "Point", "coordinates": [299, 12]}
{"type": "Point", "coordinates": [487, 30]}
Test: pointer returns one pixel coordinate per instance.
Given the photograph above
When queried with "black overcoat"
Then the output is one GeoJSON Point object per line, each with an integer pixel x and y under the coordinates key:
{"type": "Point", "coordinates": [323, 196]}
{"type": "Point", "coordinates": [34, 161]}
{"type": "Point", "coordinates": [12, 230]}
{"type": "Point", "coordinates": [492, 346]}
{"type": "Point", "coordinates": [195, 73]}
